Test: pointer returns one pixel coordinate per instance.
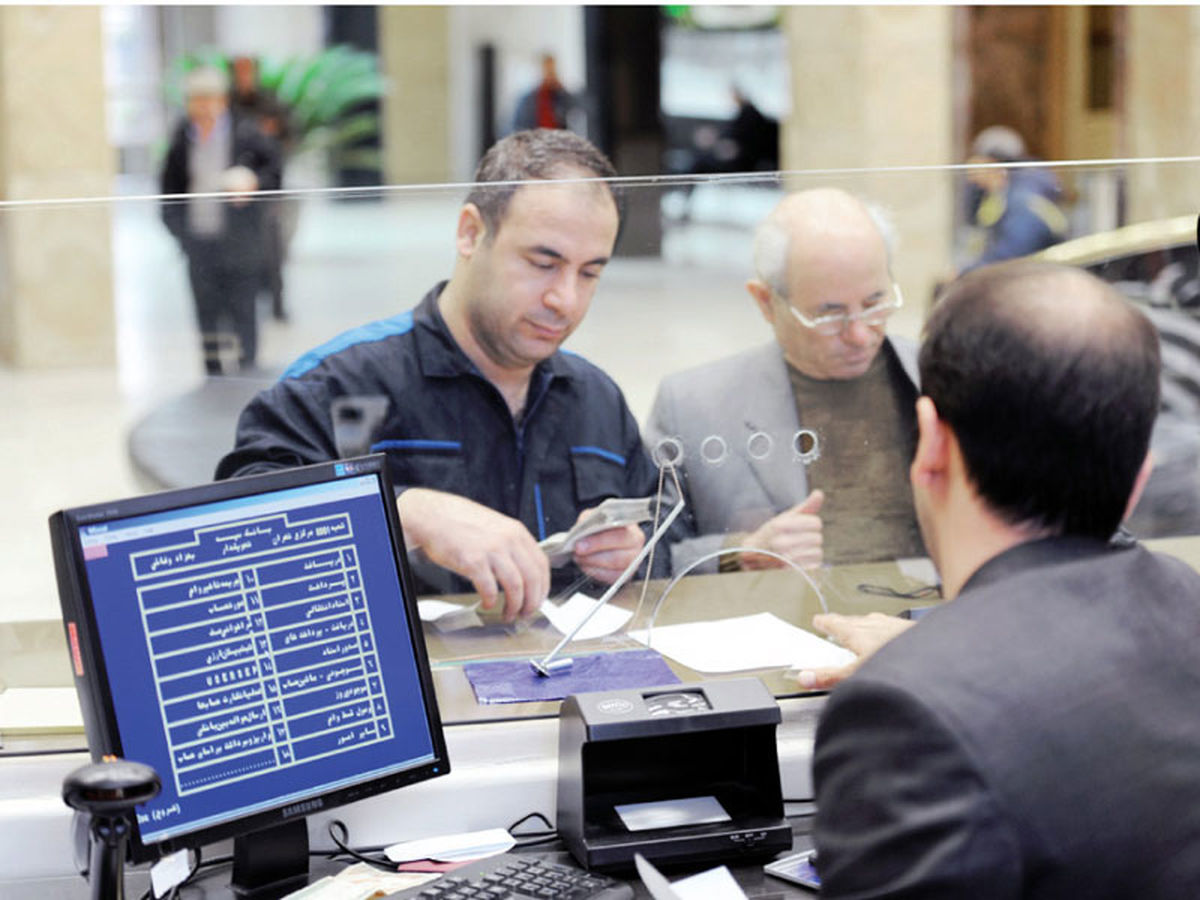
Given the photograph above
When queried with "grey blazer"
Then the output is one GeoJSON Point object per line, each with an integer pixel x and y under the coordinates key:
{"type": "Point", "coordinates": [734, 420]}
{"type": "Point", "coordinates": [1038, 737]}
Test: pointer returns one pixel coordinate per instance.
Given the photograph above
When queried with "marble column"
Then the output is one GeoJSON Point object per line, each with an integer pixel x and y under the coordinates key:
{"type": "Point", "coordinates": [414, 55]}
{"type": "Point", "coordinates": [873, 86]}
{"type": "Point", "coordinates": [56, 290]}
{"type": "Point", "coordinates": [1161, 109]}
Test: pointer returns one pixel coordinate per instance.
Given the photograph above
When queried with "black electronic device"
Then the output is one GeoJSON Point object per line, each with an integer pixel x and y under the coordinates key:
{"type": "Point", "coordinates": [683, 774]}
{"type": "Point", "coordinates": [514, 876]}
{"type": "Point", "coordinates": [256, 642]}
{"type": "Point", "coordinates": [106, 793]}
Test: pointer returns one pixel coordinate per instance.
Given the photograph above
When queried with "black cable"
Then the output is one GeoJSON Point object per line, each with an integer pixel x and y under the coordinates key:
{"type": "Point", "coordinates": [386, 864]}
{"type": "Point", "coordinates": [539, 841]}
{"type": "Point", "coordinates": [533, 838]}
{"type": "Point", "coordinates": [334, 854]}
{"type": "Point", "coordinates": [525, 818]}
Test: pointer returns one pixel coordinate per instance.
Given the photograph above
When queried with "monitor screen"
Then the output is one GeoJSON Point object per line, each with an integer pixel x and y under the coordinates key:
{"type": "Point", "coordinates": [256, 642]}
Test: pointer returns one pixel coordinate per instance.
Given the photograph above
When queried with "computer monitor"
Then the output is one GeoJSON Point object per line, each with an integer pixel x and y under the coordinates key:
{"type": "Point", "coordinates": [256, 642]}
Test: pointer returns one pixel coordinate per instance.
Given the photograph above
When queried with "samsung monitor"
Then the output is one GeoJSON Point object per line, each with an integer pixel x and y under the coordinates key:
{"type": "Point", "coordinates": [256, 642]}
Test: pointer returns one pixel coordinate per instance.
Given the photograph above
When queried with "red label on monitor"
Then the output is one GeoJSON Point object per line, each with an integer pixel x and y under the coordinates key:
{"type": "Point", "coordinates": [76, 656]}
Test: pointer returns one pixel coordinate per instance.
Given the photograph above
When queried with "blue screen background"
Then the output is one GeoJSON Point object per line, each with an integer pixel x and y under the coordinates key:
{"type": "Point", "coordinates": [398, 712]}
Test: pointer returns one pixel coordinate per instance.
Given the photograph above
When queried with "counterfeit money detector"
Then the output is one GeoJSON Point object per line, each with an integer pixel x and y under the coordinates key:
{"type": "Point", "coordinates": [679, 774]}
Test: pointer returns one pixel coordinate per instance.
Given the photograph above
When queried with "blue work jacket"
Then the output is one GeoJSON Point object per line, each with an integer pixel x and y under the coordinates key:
{"type": "Point", "coordinates": [448, 428]}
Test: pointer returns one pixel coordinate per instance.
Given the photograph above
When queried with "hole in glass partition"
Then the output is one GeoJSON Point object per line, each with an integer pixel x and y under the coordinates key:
{"type": "Point", "coordinates": [668, 452]}
{"type": "Point", "coordinates": [806, 445]}
{"type": "Point", "coordinates": [713, 450]}
{"type": "Point", "coordinates": [759, 445]}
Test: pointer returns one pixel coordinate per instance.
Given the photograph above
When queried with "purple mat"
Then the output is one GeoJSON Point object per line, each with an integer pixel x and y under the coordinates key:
{"type": "Point", "coordinates": [514, 681]}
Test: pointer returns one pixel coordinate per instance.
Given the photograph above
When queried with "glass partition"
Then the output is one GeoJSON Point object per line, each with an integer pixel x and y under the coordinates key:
{"type": "Point", "coordinates": [714, 338]}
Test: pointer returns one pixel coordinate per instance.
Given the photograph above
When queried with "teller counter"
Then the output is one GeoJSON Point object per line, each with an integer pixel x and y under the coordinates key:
{"type": "Point", "coordinates": [504, 757]}
{"type": "Point", "coordinates": [785, 593]}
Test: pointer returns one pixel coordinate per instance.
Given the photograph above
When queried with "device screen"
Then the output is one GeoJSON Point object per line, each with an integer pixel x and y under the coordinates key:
{"type": "Point", "coordinates": [798, 868]}
{"type": "Point", "coordinates": [256, 650]}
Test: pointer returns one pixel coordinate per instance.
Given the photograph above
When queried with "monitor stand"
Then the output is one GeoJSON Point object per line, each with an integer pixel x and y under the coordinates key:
{"type": "Point", "coordinates": [271, 863]}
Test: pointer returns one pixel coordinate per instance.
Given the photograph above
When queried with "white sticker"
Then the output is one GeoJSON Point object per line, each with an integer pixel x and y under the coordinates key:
{"type": "Point", "coordinates": [170, 871]}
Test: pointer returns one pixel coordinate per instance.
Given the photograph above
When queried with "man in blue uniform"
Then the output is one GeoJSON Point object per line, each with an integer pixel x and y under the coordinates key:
{"type": "Point", "coordinates": [495, 438]}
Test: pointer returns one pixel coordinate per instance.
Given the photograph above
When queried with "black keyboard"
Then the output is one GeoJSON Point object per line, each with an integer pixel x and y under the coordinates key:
{"type": "Point", "coordinates": [513, 875]}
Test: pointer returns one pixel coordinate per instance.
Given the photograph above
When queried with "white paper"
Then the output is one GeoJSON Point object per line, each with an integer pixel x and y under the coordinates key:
{"type": "Point", "coordinates": [761, 641]}
{"type": "Point", "coordinates": [919, 568]}
{"type": "Point", "coordinates": [715, 884]}
{"type": "Point", "coordinates": [671, 813]}
{"type": "Point", "coordinates": [169, 871]}
{"type": "Point", "coordinates": [432, 610]}
{"type": "Point", "coordinates": [656, 883]}
{"type": "Point", "coordinates": [451, 847]}
{"type": "Point", "coordinates": [565, 617]}
{"type": "Point", "coordinates": [447, 617]}
{"type": "Point", "coordinates": [379, 882]}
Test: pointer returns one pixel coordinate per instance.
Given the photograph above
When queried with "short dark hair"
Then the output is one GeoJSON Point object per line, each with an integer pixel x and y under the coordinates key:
{"type": "Point", "coordinates": [538, 154]}
{"type": "Point", "coordinates": [1053, 420]}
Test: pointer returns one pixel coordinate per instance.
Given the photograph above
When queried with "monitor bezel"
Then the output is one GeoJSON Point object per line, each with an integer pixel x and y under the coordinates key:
{"type": "Point", "coordinates": [91, 672]}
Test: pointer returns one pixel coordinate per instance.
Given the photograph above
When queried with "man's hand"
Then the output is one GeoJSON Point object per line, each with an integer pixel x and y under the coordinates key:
{"type": "Point", "coordinates": [794, 533]}
{"type": "Point", "coordinates": [496, 553]}
{"type": "Point", "coordinates": [239, 180]}
{"type": "Point", "coordinates": [862, 635]}
{"type": "Point", "coordinates": [605, 554]}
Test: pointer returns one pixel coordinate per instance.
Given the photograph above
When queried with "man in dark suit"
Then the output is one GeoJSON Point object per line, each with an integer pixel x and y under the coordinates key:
{"type": "Point", "coordinates": [1038, 735]}
{"type": "Point", "coordinates": [213, 152]}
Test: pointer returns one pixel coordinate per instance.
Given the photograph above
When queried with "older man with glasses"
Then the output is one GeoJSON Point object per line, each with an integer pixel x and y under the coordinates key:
{"type": "Point", "coordinates": [800, 448]}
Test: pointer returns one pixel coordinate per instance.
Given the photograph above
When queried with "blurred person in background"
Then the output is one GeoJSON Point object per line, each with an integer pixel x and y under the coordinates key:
{"type": "Point", "coordinates": [248, 98]}
{"type": "Point", "coordinates": [549, 104]}
{"type": "Point", "coordinates": [212, 152]}
{"type": "Point", "coordinates": [1014, 211]}
{"type": "Point", "coordinates": [749, 142]}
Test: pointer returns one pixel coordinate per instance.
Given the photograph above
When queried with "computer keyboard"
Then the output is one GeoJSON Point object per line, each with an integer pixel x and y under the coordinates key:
{"type": "Point", "coordinates": [516, 876]}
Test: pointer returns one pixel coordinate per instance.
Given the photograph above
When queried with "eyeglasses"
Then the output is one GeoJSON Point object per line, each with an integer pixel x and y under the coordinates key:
{"type": "Point", "coordinates": [835, 323]}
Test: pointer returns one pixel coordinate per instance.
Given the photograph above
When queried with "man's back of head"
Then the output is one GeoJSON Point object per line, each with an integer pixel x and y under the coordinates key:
{"type": "Point", "coordinates": [1049, 380]}
{"type": "Point", "coordinates": [1036, 736]}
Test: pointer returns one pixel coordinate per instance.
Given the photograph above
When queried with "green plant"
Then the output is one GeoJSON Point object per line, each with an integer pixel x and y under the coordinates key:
{"type": "Point", "coordinates": [331, 100]}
